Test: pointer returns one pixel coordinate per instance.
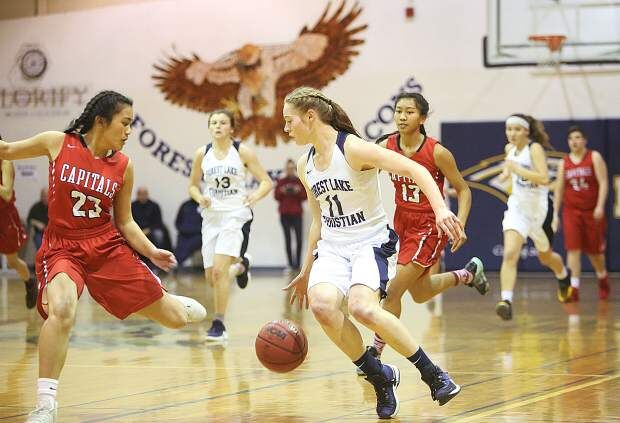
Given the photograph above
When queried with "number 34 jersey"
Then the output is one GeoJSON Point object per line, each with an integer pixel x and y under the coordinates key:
{"type": "Point", "coordinates": [350, 200]}
{"type": "Point", "coordinates": [407, 193]}
{"type": "Point", "coordinates": [82, 187]}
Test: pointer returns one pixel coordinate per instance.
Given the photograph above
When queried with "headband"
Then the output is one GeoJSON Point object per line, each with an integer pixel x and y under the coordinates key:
{"type": "Point", "coordinates": [518, 121]}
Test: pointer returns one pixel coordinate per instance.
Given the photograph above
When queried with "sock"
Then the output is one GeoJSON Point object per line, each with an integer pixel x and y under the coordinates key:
{"type": "Point", "coordinates": [562, 275]}
{"type": "Point", "coordinates": [369, 364]}
{"type": "Point", "coordinates": [602, 275]}
{"type": "Point", "coordinates": [219, 316]}
{"type": "Point", "coordinates": [235, 269]}
{"type": "Point", "coordinates": [195, 311]}
{"type": "Point", "coordinates": [379, 343]}
{"type": "Point", "coordinates": [574, 282]}
{"type": "Point", "coordinates": [507, 295]}
{"type": "Point", "coordinates": [422, 362]}
{"type": "Point", "coordinates": [46, 391]}
{"type": "Point", "coordinates": [463, 276]}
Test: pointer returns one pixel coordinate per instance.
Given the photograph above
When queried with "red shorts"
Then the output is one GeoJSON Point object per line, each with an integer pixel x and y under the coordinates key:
{"type": "Point", "coordinates": [419, 240]}
{"type": "Point", "coordinates": [12, 233]}
{"type": "Point", "coordinates": [582, 231]}
{"type": "Point", "coordinates": [103, 261]}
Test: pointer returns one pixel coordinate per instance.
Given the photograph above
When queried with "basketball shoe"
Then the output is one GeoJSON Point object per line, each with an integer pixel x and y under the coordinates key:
{"type": "Point", "coordinates": [603, 288]}
{"type": "Point", "coordinates": [385, 384]}
{"type": "Point", "coordinates": [565, 290]}
{"type": "Point", "coordinates": [443, 389]}
{"type": "Point", "coordinates": [217, 332]}
{"type": "Point", "coordinates": [480, 282]}
{"type": "Point", "coordinates": [44, 413]}
{"type": "Point", "coordinates": [504, 309]}
{"type": "Point", "coordinates": [373, 351]}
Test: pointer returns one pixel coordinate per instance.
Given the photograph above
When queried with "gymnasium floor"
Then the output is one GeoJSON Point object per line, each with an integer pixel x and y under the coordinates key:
{"type": "Point", "coordinates": [553, 362]}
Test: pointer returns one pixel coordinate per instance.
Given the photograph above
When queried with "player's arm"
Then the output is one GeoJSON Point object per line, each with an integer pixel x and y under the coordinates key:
{"type": "Point", "coordinates": [301, 281]}
{"type": "Point", "coordinates": [540, 174]}
{"type": "Point", "coordinates": [44, 144]}
{"type": "Point", "coordinates": [503, 177]}
{"type": "Point", "coordinates": [8, 176]}
{"type": "Point", "coordinates": [130, 229]}
{"type": "Point", "coordinates": [195, 177]}
{"type": "Point", "coordinates": [446, 163]}
{"type": "Point", "coordinates": [558, 196]}
{"type": "Point", "coordinates": [248, 156]}
{"type": "Point", "coordinates": [600, 171]}
{"type": "Point", "coordinates": [363, 155]}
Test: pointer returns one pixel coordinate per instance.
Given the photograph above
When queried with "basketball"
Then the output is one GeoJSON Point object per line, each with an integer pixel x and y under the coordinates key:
{"type": "Point", "coordinates": [281, 346]}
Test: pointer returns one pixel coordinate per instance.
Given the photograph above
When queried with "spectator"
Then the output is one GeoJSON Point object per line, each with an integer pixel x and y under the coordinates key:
{"type": "Point", "coordinates": [37, 218]}
{"type": "Point", "coordinates": [147, 214]}
{"type": "Point", "coordinates": [189, 226]}
{"type": "Point", "coordinates": [290, 193]}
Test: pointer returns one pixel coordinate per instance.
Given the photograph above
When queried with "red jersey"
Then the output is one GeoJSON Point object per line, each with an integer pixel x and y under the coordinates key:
{"type": "Point", "coordinates": [3, 203]}
{"type": "Point", "coordinates": [580, 184]}
{"type": "Point", "coordinates": [407, 194]}
{"type": "Point", "coordinates": [82, 187]}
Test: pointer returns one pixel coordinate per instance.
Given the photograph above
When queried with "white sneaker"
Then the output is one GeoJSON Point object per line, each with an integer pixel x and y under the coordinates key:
{"type": "Point", "coordinates": [44, 413]}
{"type": "Point", "coordinates": [195, 311]}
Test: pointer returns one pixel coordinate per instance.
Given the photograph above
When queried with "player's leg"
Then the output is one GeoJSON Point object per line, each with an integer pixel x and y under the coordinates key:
{"type": "Point", "coordinates": [513, 241]}
{"type": "Point", "coordinates": [573, 261]}
{"type": "Point", "coordinates": [575, 234]}
{"type": "Point", "coordinates": [286, 223]}
{"type": "Point", "coordinates": [595, 245]}
{"type": "Point", "coordinates": [542, 238]}
{"type": "Point", "coordinates": [598, 263]}
{"type": "Point", "coordinates": [174, 311]}
{"type": "Point", "coordinates": [221, 292]}
{"type": "Point", "coordinates": [23, 272]}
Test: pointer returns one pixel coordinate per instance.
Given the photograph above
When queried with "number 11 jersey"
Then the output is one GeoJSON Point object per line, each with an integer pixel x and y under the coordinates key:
{"type": "Point", "coordinates": [82, 187]}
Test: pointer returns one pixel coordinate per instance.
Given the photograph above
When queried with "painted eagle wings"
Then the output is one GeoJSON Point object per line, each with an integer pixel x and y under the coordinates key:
{"type": "Point", "coordinates": [253, 80]}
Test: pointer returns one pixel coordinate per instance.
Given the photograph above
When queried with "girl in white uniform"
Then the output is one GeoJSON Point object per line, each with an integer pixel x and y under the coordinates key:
{"type": "Point", "coordinates": [355, 248]}
{"type": "Point", "coordinates": [530, 211]}
{"type": "Point", "coordinates": [225, 209]}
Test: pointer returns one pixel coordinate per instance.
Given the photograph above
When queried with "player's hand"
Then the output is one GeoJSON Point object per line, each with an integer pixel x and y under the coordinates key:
{"type": "Point", "coordinates": [205, 203]}
{"type": "Point", "coordinates": [163, 259]}
{"type": "Point", "coordinates": [300, 290]}
{"type": "Point", "coordinates": [251, 199]}
{"type": "Point", "coordinates": [449, 224]}
{"type": "Point", "coordinates": [598, 213]}
{"type": "Point", "coordinates": [555, 223]}
{"type": "Point", "coordinates": [509, 166]}
{"type": "Point", "coordinates": [459, 243]}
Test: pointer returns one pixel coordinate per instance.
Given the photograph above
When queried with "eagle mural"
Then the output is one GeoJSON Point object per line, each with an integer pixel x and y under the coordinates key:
{"type": "Point", "coordinates": [253, 80]}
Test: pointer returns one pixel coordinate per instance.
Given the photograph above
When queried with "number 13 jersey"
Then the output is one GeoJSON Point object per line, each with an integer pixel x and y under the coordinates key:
{"type": "Point", "coordinates": [82, 187]}
{"type": "Point", "coordinates": [224, 179]}
{"type": "Point", "coordinates": [350, 200]}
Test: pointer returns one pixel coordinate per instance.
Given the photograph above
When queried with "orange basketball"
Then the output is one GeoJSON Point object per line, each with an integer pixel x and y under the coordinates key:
{"type": "Point", "coordinates": [281, 346]}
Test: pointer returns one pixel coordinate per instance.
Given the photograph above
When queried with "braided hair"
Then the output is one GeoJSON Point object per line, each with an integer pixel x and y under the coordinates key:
{"type": "Point", "coordinates": [304, 98]}
{"type": "Point", "coordinates": [105, 104]}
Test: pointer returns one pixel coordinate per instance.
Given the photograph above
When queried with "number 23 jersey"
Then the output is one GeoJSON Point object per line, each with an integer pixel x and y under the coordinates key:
{"type": "Point", "coordinates": [350, 200]}
{"type": "Point", "coordinates": [82, 187]}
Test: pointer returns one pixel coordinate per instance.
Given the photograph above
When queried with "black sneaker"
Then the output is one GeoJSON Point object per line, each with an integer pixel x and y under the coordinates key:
{"type": "Point", "coordinates": [373, 351]}
{"type": "Point", "coordinates": [242, 278]}
{"type": "Point", "coordinates": [443, 389]}
{"type": "Point", "coordinates": [565, 290]}
{"type": "Point", "coordinates": [217, 332]}
{"type": "Point", "coordinates": [385, 384]}
{"type": "Point", "coordinates": [32, 290]}
{"type": "Point", "coordinates": [480, 282]}
{"type": "Point", "coordinates": [504, 309]}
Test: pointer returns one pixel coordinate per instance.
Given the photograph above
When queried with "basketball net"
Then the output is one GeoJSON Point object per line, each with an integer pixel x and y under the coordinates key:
{"type": "Point", "coordinates": [554, 43]}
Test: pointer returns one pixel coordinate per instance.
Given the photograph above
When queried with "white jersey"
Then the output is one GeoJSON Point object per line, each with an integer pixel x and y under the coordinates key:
{"type": "Point", "coordinates": [350, 200]}
{"type": "Point", "coordinates": [224, 179]}
{"type": "Point", "coordinates": [525, 191]}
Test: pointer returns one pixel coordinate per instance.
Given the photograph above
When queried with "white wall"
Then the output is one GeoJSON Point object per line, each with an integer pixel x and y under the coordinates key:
{"type": "Point", "coordinates": [116, 47]}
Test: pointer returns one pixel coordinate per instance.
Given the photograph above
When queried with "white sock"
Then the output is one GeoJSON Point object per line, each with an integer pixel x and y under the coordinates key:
{"type": "Point", "coordinates": [574, 282]}
{"type": "Point", "coordinates": [46, 391]}
{"type": "Point", "coordinates": [601, 275]}
{"type": "Point", "coordinates": [235, 269]}
{"type": "Point", "coordinates": [507, 295]}
{"type": "Point", "coordinates": [195, 311]}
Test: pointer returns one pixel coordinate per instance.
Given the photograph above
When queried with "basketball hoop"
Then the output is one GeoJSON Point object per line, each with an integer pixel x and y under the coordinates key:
{"type": "Point", "coordinates": [554, 42]}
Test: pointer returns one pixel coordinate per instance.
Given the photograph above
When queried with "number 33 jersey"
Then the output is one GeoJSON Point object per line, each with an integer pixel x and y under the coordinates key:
{"type": "Point", "coordinates": [224, 179]}
{"type": "Point", "coordinates": [407, 194]}
{"type": "Point", "coordinates": [82, 187]}
{"type": "Point", "coordinates": [350, 200]}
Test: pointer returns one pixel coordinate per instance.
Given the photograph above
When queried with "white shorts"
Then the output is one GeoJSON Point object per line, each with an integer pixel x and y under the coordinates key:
{"type": "Point", "coordinates": [225, 233]}
{"type": "Point", "coordinates": [371, 263]}
{"type": "Point", "coordinates": [531, 220]}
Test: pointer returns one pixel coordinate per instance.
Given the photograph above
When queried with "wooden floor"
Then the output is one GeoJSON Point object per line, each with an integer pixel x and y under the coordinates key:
{"type": "Point", "coordinates": [551, 363]}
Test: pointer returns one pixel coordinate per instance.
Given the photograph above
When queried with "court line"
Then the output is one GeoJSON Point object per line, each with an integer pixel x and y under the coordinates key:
{"type": "Point", "coordinates": [477, 417]}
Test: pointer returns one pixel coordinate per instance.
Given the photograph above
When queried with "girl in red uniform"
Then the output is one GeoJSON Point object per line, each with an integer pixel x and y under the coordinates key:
{"type": "Point", "coordinates": [12, 233]}
{"type": "Point", "coordinates": [414, 220]}
{"type": "Point", "coordinates": [88, 177]}
{"type": "Point", "coordinates": [582, 186]}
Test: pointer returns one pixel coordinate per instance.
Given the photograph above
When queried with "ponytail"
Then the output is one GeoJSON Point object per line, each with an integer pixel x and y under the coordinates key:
{"type": "Point", "coordinates": [537, 131]}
